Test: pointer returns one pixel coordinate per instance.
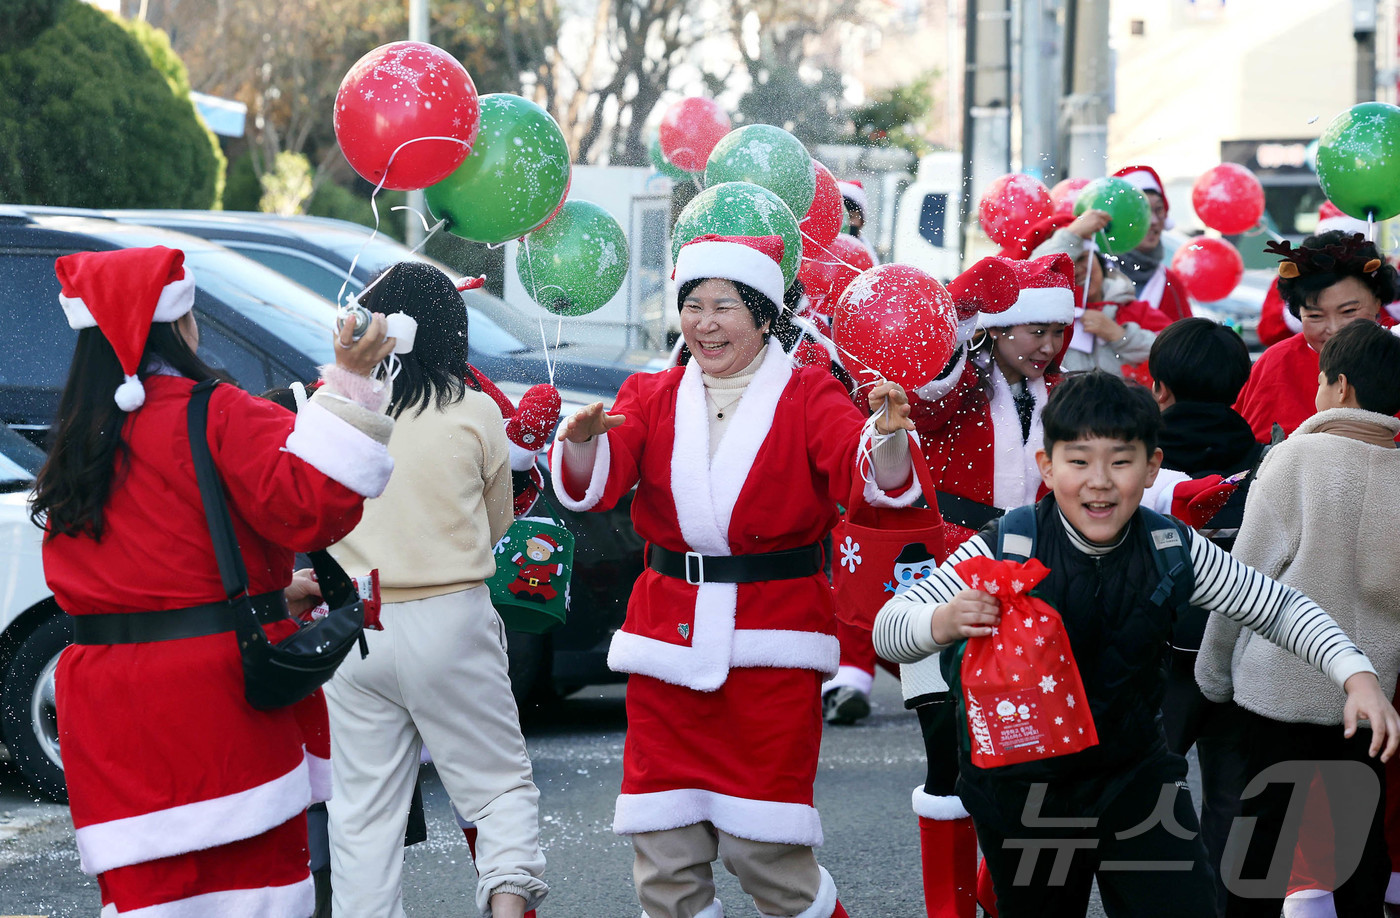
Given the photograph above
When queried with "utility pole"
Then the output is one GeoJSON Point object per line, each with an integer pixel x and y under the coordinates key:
{"type": "Point", "coordinates": [1090, 69]}
{"type": "Point", "coordinates": [417, 31]}
{"type": "Point", "coordinates": [1042, 83]}
{"type": "Point", "coordinates": [986, 104]}
{"type": "Point", "coordinates": [1363, 28]}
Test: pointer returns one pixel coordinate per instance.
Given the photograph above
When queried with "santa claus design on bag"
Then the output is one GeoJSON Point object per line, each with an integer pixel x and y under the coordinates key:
{"type": "Point", "coordinates": [532, 581]}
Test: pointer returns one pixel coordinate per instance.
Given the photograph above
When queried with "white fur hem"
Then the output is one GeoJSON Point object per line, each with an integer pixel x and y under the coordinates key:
{"type": "Point", "coordinates": [824, 906]}
{"type": "Point", "coordinates": [704, 664]}
{"type": "Point", "coordinates": [319, 771]}
{"type": "Point", "coordinates": [597, 481]}
{"type": "Point", "coordinates": [756, 820]}
{"type": "Point", "coordinates": [874, 495]}
{"type": "Point", "coordinates": [850, 677]}
{"type": "Point", "coordinates": [336, 449]}
{"type": "Point", "coordinates": [714, 910]}
{"type": "Point", "coordinates": [942, 809]}
{"type": "Point", "coordinates": [194, 826]}
{"type": "Point", "coordinates": [522, 459]}
{"type": "Point", "coordinates": [762, 647]}
{"type": "Point", "coordinates": [290, 901]}
{"type": "Point", "coordinates": [1309, 903]}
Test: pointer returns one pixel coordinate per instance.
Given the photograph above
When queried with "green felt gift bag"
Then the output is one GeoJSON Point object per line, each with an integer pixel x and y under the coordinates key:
{"type": "Point", "coordinates": [534, 563]}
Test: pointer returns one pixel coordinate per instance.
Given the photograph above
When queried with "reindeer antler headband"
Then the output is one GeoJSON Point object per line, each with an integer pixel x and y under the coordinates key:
{"type": "Point", "coordinates": [1353, 253]}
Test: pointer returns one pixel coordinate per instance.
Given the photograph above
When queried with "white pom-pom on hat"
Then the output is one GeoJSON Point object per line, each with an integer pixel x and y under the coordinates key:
{"type": "Point", "coordinates": [131, 394]}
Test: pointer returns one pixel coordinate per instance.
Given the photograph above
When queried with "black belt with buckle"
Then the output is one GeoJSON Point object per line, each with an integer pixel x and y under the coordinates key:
{"type": "Point", "coordinates": [965, 512]}
{"type": "Point", "coordinates": [695, 568]}
{"type": "Point", "coordinates": [172, 624]}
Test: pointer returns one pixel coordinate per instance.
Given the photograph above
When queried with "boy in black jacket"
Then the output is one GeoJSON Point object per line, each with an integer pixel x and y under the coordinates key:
{"type": "Point", "coordinates": [1119, 811]}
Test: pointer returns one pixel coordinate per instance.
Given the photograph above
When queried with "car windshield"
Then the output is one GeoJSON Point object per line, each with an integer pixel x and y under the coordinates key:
{"type": "Point", "coordinates": [19, 460]}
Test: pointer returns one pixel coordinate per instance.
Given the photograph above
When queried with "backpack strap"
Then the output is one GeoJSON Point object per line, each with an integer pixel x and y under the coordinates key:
{"type": "Point", "coordinates": [1016, 534]}
{"type": "Point", "coordinates": [1177, 579]}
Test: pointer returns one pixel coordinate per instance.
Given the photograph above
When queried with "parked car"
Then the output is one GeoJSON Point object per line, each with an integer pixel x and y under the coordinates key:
{"type": "Point", "coordinates": [266, 331]}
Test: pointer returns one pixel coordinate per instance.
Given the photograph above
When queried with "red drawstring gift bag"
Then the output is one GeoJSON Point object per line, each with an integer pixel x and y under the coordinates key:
{"type": "Point", "coordinates": [879, 552]}
{"type": "Point", "coordinates": [1020, 685]}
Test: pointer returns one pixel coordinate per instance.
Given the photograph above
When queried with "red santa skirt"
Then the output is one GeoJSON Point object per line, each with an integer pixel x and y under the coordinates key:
{"type": "Point", "coordinates": [743, 758]}
{"type": "Point", "coordinates": [163, 757]}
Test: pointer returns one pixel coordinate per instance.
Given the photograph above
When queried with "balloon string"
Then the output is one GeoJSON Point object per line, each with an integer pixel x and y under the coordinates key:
{"type": "Point", "coordinates": [374, 207]}
{"type": "Point", "coordinates": [548, 363]}
{"type": "Point", "coordinates": [1263, 227]}
{"type": "Point", "coordinates": [1090, 246]}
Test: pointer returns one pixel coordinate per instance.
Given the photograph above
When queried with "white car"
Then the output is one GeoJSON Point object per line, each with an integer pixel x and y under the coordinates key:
{"type": "Point", "coordinates": [33, 630]}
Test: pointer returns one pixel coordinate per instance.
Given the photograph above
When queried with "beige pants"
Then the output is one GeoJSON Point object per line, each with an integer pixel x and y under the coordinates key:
{"type": "Point", "coordinates": [674, 877]}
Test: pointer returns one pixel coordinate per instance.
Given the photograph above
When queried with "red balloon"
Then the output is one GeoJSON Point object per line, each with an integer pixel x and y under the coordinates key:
{"type": "Point", "coordinates": [1211, 268]}
{"type": "Point", "coordinates": [827, 270]}
{"type": "Point", "coordinates": [1228, 199]}
{"type": "Point", "coordinates": [399, 92]}
{"type": "Point", "coordinates": [898, 321]}
{"type": "Point", "coordinates": [823, 221]}
{"type": "Point", "coordinates": [1063, 196]}
{"type": "Point", "coordinates": [689, 131]}
{"type": "Point", "coordinates": [1011, 205]}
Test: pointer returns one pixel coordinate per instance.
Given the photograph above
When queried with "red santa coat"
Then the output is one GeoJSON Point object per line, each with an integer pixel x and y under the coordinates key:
{"type": "Point", "coordinates": [1166, 291]}
{"type": "Point", "coordinates": [724, 712]}
{"type": "Point", "coordinates": [162, 755]}
{"type": "Point", "coordinates": [971, 437]}
{"type": "Point", "coordinates": [1281, 389]}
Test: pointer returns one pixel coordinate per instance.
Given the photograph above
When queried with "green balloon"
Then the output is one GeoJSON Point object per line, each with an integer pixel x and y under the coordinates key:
{"type": "Point", "coordinates": [665, 166]}
{"type": "Point", "coordinates": [741, 209]}
{"type": "Point", "coordinates": [576, 262]}
{"type": "Point", "coordinates": [768, 156]}
{"type": "Point", "coordinates": [1358, 161]}
{"type": "Point", "coordinates": [1129, 214]}
{"type": "Point", "coordinates": [513, 179]}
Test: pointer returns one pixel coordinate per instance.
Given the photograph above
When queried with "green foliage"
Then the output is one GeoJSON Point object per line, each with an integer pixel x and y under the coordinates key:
{"type": "Point", "coordinates": [287, 185]}
{"type": "Point", "coordinates": [891, 119]}
{"type": "Point", "coordinates": [21, 20]}
{"type": "Point", "coordinates": [88, 121]}
{"type": "Point", "coordinates": [332, 200]}
{"type": "Point", "coordinates": [242, 190]}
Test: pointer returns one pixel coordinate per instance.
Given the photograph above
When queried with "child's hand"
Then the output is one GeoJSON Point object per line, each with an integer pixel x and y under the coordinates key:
{"type": "Point", "coordinates": [1365, 699]}
{"type": "Point", "coordinates": [971, 613]}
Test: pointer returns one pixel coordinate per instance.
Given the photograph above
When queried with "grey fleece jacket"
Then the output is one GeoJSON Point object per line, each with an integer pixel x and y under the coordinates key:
{"type": "Point", "coordinates": [1136, 344]}
{"type": "Point", "coordinates": [1320, 518]}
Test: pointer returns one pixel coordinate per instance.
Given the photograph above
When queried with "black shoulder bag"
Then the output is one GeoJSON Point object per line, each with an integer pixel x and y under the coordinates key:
{"type": "Point", "coordinates": [281, 674]}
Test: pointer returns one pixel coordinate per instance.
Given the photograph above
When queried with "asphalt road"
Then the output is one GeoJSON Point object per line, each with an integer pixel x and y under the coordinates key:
{"type": "Point", "coordinates": [863, 787]}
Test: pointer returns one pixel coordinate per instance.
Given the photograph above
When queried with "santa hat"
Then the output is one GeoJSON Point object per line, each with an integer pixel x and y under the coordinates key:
{"type": "Point", "coordinates": [1046, 294]}
{"type": "Point", "coordinates": [122, 292]}
{"type": "Point", "coordinates": [752, 260]}
{"type": "Point", "coordinates": [1145, 178]}
{"type": "Point", "coordinates": [1038, 234]}
{"type": "Point", "coordinates": [545, 540]}
{"type": "Point", "coordinates": [990, 286]}
{"type": "Point", "coordinates": [1330, 217]}
{"type": "Point", "coordinates": [854, 192]}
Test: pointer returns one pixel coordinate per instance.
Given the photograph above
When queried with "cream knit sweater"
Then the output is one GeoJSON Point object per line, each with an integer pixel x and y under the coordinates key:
{"type": "Point", "coordinates": [1320, 518]}
{"type": "Point", "coordinates": [448, 502]}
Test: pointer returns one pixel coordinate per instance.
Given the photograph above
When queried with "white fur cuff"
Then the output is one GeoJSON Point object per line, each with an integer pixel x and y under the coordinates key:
{"type": "Point", "coordinates": [824, 906]}
{"type": "Point", "coordinates": [874, 495]}
{"type": "Point", "coordinates": [341, 452]}
{"type": "Point", "coordinates": [597, 480]}
{"type": "Point", "coordinates": [942, 809]}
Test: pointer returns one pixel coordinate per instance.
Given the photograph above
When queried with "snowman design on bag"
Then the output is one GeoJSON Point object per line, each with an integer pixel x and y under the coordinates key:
{"type": "Point", "coordinates": [914, 564]}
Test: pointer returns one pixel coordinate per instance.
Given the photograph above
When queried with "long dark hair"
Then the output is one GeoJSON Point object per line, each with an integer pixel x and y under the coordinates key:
{"type": "Point", "coordinates": [87, 453]}
{"type": "Point", "coordinates": [761, 309]}
{"type": "Point", "coordinates": [436, 371]}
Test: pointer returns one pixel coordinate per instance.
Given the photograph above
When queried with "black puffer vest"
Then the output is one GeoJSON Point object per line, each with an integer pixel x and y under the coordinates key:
{"type": "Point", "coordinates": [1120, 640]}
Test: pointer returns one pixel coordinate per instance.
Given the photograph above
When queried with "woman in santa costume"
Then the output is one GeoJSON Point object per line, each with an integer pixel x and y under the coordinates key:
{"type": "Point", "coordinates": [739, 460]}
{"type": "Point", "coordinates": [1324, 290]}
{"type": "Point", "coordinates": [1276, 322]}
{"type": "Point", "coordinates": [857, 205]}
{"type": "Point", "coordinates": [1146, 266]}
{"type": "Point", "coordinates": [186, 800]}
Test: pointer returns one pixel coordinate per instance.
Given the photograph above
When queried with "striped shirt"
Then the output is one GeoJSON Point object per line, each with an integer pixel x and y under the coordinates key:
{"type": "Point", "coordinates": [903, 628]}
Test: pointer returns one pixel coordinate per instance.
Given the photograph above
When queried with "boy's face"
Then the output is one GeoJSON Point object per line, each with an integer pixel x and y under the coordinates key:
{"type": "Point", "coordinates": [1098, 482]}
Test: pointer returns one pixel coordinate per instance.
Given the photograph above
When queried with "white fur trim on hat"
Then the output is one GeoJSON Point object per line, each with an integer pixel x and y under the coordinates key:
{"type": "Point", "coordinates": [731, 261]}
{"type": "Point", "coordinates": [131, 394]}
{"type": "Point", "coordinates": [1143, 180]}
{"type": "Point", "coordinates": [855, 193]}
{"type": "Point", "coordinates": [176, 299]}
{"type": "Point", "coordinates": [1343, 223]}
{"type": "Point", "coordinates": [1035, 305]}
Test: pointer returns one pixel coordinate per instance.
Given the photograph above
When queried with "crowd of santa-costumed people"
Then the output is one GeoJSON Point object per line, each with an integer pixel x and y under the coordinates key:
{"type": "Point", "coordinates": [848, 464]}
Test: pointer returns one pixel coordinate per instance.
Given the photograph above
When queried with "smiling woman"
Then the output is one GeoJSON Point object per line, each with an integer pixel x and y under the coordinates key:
{"type": "Point", "coordinates": [739, 458]}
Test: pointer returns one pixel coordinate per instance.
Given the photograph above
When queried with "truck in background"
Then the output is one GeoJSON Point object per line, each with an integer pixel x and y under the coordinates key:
{"type": "Point", "coordinates": [926, 224]}
{"type": "Point", "coordinates": [638, 316]}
